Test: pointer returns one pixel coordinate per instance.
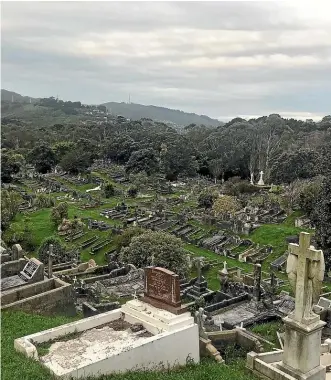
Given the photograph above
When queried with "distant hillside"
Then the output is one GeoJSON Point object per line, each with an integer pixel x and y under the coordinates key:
{"type": "Point", "coordinates": [138, 111]}
{"type": "Point", "coordinates": [8, 96]}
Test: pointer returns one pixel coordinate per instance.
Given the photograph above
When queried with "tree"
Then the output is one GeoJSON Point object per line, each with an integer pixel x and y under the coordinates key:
{"type": "Point", "coordinates": [59, 213]}
{"type": "Point", "coordinates": [42, 157]}
{"type": "Point", "coordinates": [140, 180]}
{"type": "Point", "coordinates": [144, 160]}
{"type": "Point", "coordinates": [321, 217]}
{"type": "Point", "coordinates": [290, 166]}
{"type": "Point", "coordinates": [158, 248]}
{"type": "Point", "coordinates": [62, 148]}
{"type": "Point", "coordinates": [11, 164]}
{"type": "Point", "coordinates": [206, 198]}
{"type": "Point", "coordinates": [76, 161]}
{"type": "Point", "coordinates": [125, 238]}
{"type": "Point", "coordinates": [216, 168]}
{"type": "Point", "coordinates": [43, 201]}
{"type": "Point", "coordinates": [109, 190]}
{"type": "Point", "coordinates": [225, 205]}
{"type": "Point", "coordinates": [308, 195]}
{"type": "Point", "coordinates": [10, 202]}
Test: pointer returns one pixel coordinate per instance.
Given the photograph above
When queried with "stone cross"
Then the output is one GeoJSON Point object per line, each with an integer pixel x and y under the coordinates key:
{"type": "Point", "coordinates": [50, 261]}
{"type": "Point", "coordinates": [198, 264]}
{"type": "Point", "coordinates": [261, 182]}
{"type": "Point", "coordinates": [152, 260]}
{"type": "Point", "coordinates": [306, 255]}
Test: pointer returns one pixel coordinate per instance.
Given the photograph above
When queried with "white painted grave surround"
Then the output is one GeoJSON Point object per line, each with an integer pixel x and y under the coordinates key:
{"type": "Point", "coordinates": [175, 340]}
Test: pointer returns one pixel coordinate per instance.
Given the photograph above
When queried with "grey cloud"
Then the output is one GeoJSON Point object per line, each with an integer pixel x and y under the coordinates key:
{"type": "Point", "coordinates": [216, 58]}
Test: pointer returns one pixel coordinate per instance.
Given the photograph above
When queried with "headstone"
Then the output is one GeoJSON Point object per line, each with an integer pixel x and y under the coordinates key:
{"type": "Point", "coordinates": [252, 179]}
{"type": "Point", "coordinates": [257, 282]}
{"type": "Point", "coordinates": [162, 289]}
{"type": "Point", "coordinates": [324, 303]}
{"type": "Point", "coordinates": [261, 182]}
{"type": "Point", "coordinates": [33, 271]}
{"type": "Point", "coordinates": [17, 252]}
{"type": "Point", "coordinates": [303, 328]}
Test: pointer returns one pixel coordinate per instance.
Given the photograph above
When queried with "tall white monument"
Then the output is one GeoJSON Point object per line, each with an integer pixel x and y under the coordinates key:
{"type": "Point", "coordinates": [261, 182]}
{"type": "Point", "coordinates": [303, 328]}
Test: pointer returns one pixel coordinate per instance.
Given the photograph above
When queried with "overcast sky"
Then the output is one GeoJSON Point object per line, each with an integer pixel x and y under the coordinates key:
{"type": "Point", "coordinates": [222, 59]}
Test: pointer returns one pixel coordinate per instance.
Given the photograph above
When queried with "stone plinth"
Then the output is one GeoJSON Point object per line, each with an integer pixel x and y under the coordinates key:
{"type": "Point", "coordinates": [302, 350]}
{"type": "Point", "coordinates": [154, 319]}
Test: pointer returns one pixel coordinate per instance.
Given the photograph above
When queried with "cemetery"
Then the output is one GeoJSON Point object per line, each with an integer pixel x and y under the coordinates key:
{"type": "Point", "coordinates": [139, 315]}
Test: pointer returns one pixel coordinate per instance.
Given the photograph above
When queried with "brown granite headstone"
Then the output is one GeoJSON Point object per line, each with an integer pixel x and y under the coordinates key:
{"type": "Point", "coordinates": [162, 289]}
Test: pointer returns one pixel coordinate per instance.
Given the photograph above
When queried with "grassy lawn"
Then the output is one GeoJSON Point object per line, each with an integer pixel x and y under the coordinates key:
{"type": "Point", "coordinates": [16, 366]}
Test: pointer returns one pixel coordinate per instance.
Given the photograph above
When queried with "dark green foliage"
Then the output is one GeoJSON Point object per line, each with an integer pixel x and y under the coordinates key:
{"type": "Point", "coordinates": [308, 196]}
{"type": "Point", "coordinates": [240, 187]}
{"type": "Point", "coordinates": [206, 199]}
{"type": "Point", "coordinates": [144, 160]}
{"type": "Point", "coordinates": [132, 192]}
{"type": "Point", "coordinates": [10, 201]}
{"type": "Point", "coordinates": [161, 248]}
{"type": "Point", "coordinates": [10, 165]}
{"type": "Point", "coordinates": [321, 217]}
{"type": "Point", "coordinates": [62, 148]}
{"type": "Point", "coordinates": [58, 249]}
{"type": "Point", "coordinates": [76, 161]}
{"type": "Point", "coordinates": [125, 238]}
{"type": "Point", "coordinates": [42, 157]}
{"type": "Point", "coordinates": [290, 166]}
{"type": "Point", "coordinates": [109, 190]}
{"type": "Point", "coordinates": [59, 213]}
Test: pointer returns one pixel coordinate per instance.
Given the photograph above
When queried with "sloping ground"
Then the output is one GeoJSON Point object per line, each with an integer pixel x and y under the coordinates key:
{"type": "Point", "coordinates": [138, 111]}
{"type": "Point", "coordinates": [16, 366]}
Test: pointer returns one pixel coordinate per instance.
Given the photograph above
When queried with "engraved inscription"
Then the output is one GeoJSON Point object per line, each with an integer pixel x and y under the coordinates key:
{"type": "Point", "coordinates": [163, 285]}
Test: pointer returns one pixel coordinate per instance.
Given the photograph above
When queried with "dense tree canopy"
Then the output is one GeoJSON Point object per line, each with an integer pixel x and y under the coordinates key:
{"type": "Point", "coordinates": [157, 248]}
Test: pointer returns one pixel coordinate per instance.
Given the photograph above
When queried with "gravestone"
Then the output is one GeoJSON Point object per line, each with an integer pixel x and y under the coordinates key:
{"type": "Point", "coordinates": [33, 271]}
{"type": "Point", "coordinates": [303, 328]}
{"type": "Point", "coordinates": [162, 289]}
{"type": "Point", "coordinates": [17, 252]}
{"type": "Point", "coordinates": [261, 182]}
{"type": "Point", "coordinates": [257, 282]}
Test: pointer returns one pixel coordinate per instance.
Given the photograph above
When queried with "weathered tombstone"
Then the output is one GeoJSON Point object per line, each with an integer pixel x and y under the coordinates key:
{"type": "Point", "coordinates": [162, 289]}
{"type": "Point", "coordinates": [17, 252]}
{"type": "Point", "coordinates": [303, 328]}
{"type": "Point", "coordinates": [261, 182]}
{"type": "Point", "coordinates": [257, 282]}
{"type": "Point", "coordinates": [33, 271]}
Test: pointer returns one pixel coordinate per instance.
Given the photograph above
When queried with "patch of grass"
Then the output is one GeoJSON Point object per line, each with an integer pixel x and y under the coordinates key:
{"type": "Point", "coordinates": [275, 235]}
{"type": "Point", "coordinates": [16, 324]}
{"type": "Point", "coordinates": [16, 366]}
{"type": "Point", "coordinates": [268, 331]}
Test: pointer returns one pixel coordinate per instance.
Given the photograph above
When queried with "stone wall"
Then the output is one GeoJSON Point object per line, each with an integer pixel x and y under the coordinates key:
{"type": "Point", "coordinates": [45, 297]}
{"type": "Point", "coordinates": [12, 268]}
